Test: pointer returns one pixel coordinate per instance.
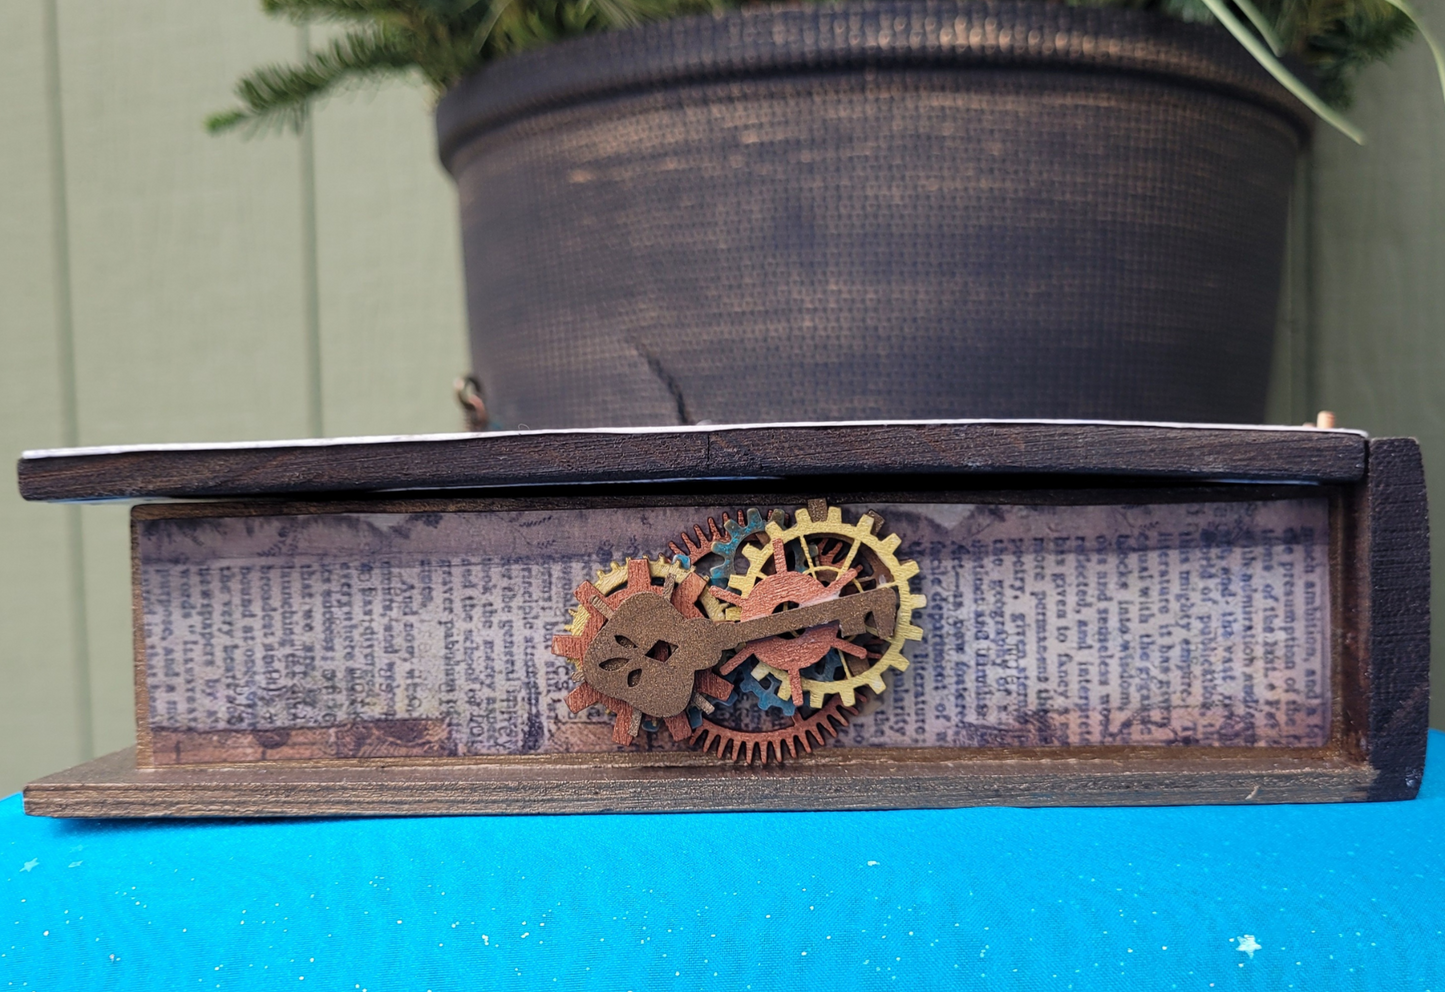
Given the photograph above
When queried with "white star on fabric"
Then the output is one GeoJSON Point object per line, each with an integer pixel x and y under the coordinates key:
{"type": "Point", "coordinates": [1248, 945]}
{"type": "Point", "coordinates": [30, 864]}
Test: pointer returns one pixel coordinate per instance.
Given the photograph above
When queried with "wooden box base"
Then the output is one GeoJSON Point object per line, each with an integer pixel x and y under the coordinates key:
{"type": "Point", "coordinates": [113, 786]}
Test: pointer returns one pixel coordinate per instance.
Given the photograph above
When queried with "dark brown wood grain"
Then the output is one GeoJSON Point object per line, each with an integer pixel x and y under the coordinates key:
{"type": "Point", "coordinates": [736, 493]}
{"type": "Point", "coordinates": [842, 779]}
{"type": "Point", "coordinates": [1396, 624]}
{"type": "Point", "coordinates": [570, 457]}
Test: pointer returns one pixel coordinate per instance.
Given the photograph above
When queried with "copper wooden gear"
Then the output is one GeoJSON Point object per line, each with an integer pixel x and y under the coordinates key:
{"type": "Point", "coordinates": [656, 658]}
{"type": "Point", "coordinates": [743, 745]}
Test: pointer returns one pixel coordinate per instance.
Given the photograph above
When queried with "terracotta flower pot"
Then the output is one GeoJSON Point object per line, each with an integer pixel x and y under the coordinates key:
{"type": "Point", "coordinates": [875, 210]}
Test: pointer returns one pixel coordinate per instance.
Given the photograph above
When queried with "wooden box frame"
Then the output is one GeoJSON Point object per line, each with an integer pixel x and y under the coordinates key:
{"type": "Point", "coordinates": [1379, 563]}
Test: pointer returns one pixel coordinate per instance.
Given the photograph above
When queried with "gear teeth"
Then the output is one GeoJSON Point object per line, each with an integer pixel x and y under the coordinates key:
{"type": "Point", "coordinates": [608, 579]}
{"type": "Point", "coordinates": [876, 684]}
{"type": "Point", "coordinates": [905, 571]}
{"type": "Point", "coordinates": [715, 686]}
{"type": "Point", "coordinates": [785, 689]}
{"type": "Point", "coordinates": [712, 606]}
{"type": "Point", "coordinates": [802, 516]}
{"type": "Point", "coordinates": [917, 601]}
{"type": "Point", "coordinates": [911, 632]}
{"type": "Point", "coordinates": [757, 554]}
{"type": "Point", "coordinates": [835, 515]}
{"type": "Point", "coordinates": [622, 732]}
{"type": "Point", "coordinates": [582, 697]}
{"type": "Point", "coordinates": [737, 530]}
{"type": "Point", "coordinates": [567, 646]}
{"type": "Point", "coordinates": [767, 699]}
{"type": "Point", "coordinates": [775, 526]}
{"type": "Point", "coordinates": [890, 543]}
{"type": "Point", "coordinates": [742, 747]}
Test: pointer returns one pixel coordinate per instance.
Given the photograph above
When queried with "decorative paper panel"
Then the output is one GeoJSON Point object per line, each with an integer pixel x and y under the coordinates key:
{"type": "Point", "coordinates": [337, 635]}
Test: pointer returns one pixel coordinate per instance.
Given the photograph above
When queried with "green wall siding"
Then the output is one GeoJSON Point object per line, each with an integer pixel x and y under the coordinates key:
{"type": "Point", "coordinates": [184, 255]}
{"type": "Point", "coordinates": [44, 720]}
{"type": "Point", "coordinates": [160, 284]}
{"type": "Point", "coordinates": [392, 317]}
{"type": "Point", "coordinates": [1378, 277]}
{"type": "Point", "coordinates": [157, 284]}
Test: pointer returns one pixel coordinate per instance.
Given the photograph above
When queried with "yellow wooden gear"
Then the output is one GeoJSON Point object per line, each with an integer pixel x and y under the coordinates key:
{"type": "Point", "coordinates": [859, 535]}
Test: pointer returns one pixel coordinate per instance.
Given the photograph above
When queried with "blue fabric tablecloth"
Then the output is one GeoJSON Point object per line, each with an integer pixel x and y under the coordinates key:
{"type": "Point", "coordinates": [1268, 897]}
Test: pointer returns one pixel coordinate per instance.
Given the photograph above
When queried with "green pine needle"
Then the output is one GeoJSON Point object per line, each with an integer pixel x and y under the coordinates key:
{"type": "Point", "coordinates": [445, 40]}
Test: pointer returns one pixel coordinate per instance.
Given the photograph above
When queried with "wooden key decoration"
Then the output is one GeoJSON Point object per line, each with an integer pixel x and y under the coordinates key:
{"type": "Point", "coordinates": [648, 653]}
{"type": "Point", "coordinates": [820, 607]}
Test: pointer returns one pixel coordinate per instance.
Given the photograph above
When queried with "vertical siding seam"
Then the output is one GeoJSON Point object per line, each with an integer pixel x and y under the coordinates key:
{"type": "Point", "coordinates": [310, 263]}
{"type": "Point", "coordinates": [1307, 330]}
{"type": "Point", "coordinates": [69, 400]}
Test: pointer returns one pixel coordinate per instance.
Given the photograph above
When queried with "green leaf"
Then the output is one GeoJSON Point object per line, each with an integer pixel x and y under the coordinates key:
{"type": "Point", "coordinates": [1276, 68]}
{"type": "Point", "coordinates": [1406, 8]}
{"type": "Point", "coordinates": [1262, 25]}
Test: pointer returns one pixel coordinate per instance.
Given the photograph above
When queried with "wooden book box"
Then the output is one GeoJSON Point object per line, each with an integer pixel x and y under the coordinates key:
{"type": "Point", "coordinates": [813, 616]}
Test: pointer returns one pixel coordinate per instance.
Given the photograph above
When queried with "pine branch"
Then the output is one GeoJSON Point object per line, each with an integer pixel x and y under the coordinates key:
{"type": "Point", "coordinates": [311, 11]}
{"type": "Point", "coordinates": [446, 40]}
{"type": "Point", "coordinates": [278, 96]}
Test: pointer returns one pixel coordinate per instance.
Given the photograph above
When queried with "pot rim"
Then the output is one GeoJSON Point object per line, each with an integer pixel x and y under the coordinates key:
{"type": "Point", "coordinates": [817, 37]}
